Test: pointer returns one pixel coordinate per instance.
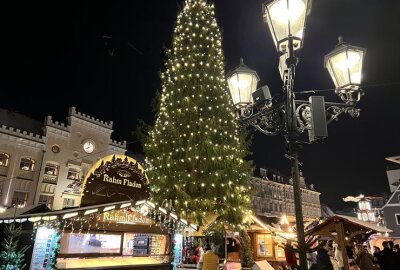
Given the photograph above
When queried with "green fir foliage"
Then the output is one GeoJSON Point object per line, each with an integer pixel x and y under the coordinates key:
{"type": "Point", "coordinates": [195, 150]}
{"type": "Point", "coordinates": [246, 253]}
{"type": "Point", "coordinates": [10, 257]}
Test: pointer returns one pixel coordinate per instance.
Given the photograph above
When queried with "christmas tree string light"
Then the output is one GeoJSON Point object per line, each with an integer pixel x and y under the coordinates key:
{"type": "Point", "coordinates": [196, 151]}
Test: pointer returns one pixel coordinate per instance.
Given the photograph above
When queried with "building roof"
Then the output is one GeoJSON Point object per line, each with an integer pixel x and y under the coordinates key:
{"type": "Point", "coordinates": [19, 121]}
{"type": "Point", "coordinates": [326, 212]}
{"type": "Point", "coordinates": [395, 159]}
{"type": "Point", "coordinates": [394, 198]}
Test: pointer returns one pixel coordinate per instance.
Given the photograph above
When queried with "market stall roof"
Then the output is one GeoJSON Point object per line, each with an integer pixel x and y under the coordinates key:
{"type": "Point", "coordinates": [350, 222]}
{"type": "Point", "coordinates": [27, 214]}
{"type": "Point", "coordinates": [259, 224]}
{"type": "Point", "coordinates": [16, 211]}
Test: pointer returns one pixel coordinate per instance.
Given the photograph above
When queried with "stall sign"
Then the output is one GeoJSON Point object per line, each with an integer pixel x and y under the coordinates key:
{"type": "Point", "coordinates": [115, 178]}
{"type": "Point", "coordinates": [125, 217]}
{"type": "Point", "coordinates": [43, 249]}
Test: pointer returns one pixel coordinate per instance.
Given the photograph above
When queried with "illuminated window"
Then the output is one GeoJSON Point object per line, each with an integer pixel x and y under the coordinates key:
{"type": "Point", "coordinates": [73, 174]}
{"type": "Point", "coordinates": [264, 245]}
{"type": "Point", "coordinates": [4, 159]}
{"type": "Point", "coordinates": [27, 164]}
{"type": "Point", "coordinates": [68, 202]}
{"type": "Point", "coordinates": [368, 205]}
{"type": "Point", "coordinates": [364, 205]}
{"type": "Point", "coordinates": [364, 216]}
{"type": "Point", "coordinates": [51, 169]}
{"type": "Point", "coordinates": [371, 216]}
{"type": "Point", "coordinates": [397, 218]}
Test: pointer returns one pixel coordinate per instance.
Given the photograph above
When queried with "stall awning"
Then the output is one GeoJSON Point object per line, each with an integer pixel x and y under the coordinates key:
{"type": "Point", "coordinates": [27, 215]}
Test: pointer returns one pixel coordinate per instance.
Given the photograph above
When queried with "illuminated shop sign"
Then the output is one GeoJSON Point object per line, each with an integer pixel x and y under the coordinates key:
{"type": "Point", "coordinates": [126, 217]}
{"type": "Point", "coordinates": [115, 178]}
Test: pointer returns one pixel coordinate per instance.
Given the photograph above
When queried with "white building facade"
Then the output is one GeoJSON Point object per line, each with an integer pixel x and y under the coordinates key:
{"type": "Point", "coordinates": [274, 196]}
{"type": "Point", "coordinates": [48, 167]}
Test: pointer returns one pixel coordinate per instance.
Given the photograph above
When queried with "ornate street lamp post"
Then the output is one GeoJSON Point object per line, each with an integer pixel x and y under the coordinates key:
{"type": "Point", "coordinates": [289, 117]}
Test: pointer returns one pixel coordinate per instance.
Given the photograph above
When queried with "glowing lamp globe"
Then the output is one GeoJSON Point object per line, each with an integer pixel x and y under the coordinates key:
{"type": "Point", "coordinates": [286, 18]}
{"type": "Point", "coordinates": [344, 64]}
{"type": "Point", "coordinates": [242, 82]}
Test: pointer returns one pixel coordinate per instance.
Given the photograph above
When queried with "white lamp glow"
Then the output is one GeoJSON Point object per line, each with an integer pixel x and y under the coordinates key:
{"type": "Point", "coordinates": [286, 18]}
{"type": "Point", "coordinates": [242, 82]}
{"type": "Point", "coordinates": [344, 64]}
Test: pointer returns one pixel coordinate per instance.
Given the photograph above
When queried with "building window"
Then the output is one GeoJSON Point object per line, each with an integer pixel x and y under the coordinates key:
{"type": "Point", "coordinates": [4, 159]}
{"type": "Point", "coordinates": [73, 174]}
{"type": "Point", "coordinates": [68, 202]}
{"type": "Point", "coordinates": [397, 218]}
{"type": "Point", "coordinates": [47, 200]}
{"type": "Point", "coordinates": [51, 169]}
{"type": "Point", "coordinates": [27, 164]}
{"type": "Point", "coordinates": [364, 205]}
{"type": "Point", "coordinates": [19, 198]}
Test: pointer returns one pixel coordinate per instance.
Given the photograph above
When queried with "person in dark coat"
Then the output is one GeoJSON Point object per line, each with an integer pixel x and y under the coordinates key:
{"type": "Point", "coordinates": [323, 260]}
{"type": "Point", "coordinates": [387, 258]}
{"type": "Point", "coordinates": [396, 250]}
{"type": "Point", "coordinates": [377, 250]}
{"type": "Point", "coordinates": [364, 259]}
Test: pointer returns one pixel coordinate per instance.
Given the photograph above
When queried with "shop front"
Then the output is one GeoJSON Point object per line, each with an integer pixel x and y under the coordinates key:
{"type": "Point", "coordinates": [268, 242]}
{"type": "Point", "coordinates": [105, 232]}
{"type": "Point", "coordinates": [134, 235]}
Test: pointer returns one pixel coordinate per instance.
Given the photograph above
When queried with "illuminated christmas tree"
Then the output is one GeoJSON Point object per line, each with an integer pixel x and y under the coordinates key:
{"type": "Point", "coordinates": [195, 150]}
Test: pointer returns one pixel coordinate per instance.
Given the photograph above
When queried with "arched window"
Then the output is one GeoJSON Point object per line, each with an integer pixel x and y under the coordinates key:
{"type": "Point", "coordinates": [27, 164]}
{"type": "Point", "coordinates": [4, 159]}
{"type": "Point", "coordinates": [51, 169]}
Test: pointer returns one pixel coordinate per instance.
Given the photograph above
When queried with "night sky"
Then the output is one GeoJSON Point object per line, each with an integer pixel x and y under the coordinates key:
{"type": "Point", "coordinates": [105, 57]}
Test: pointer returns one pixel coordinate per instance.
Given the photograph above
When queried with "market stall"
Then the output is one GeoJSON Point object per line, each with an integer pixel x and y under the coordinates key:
{"type": "Point", "coordinates": [268, 240]}
{"type": "Point", "coordinates": [346, 230]}
{"type": "Point", "coordinates": [115, 235]}
{"type": "Point", "coordinates": [115, 227]}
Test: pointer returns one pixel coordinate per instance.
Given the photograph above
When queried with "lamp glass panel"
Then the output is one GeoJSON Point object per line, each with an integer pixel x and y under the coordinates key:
{"type": "Point", "coordinates": [242, 85]}
{"type": "Point", "coordinates": [340, 64]}
{"type": "Point", "coordinates": [282, 64]}
{"type": "Point", "coordinates": [355, 60]}
{"type": "Point", "coordinates": [345, 68]}
{"type": "Point", "coordinates": [286, 17]}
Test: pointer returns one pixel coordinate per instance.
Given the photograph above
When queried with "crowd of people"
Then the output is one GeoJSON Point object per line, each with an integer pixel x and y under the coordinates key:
{"type": "Point", "coordinates": [330, 257]}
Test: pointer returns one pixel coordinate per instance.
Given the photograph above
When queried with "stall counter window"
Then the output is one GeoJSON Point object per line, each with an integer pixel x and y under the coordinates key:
{"type": "Point", "coordinates": [264, 245]}
{"type": "Point", "coordinates": [98, 249]}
